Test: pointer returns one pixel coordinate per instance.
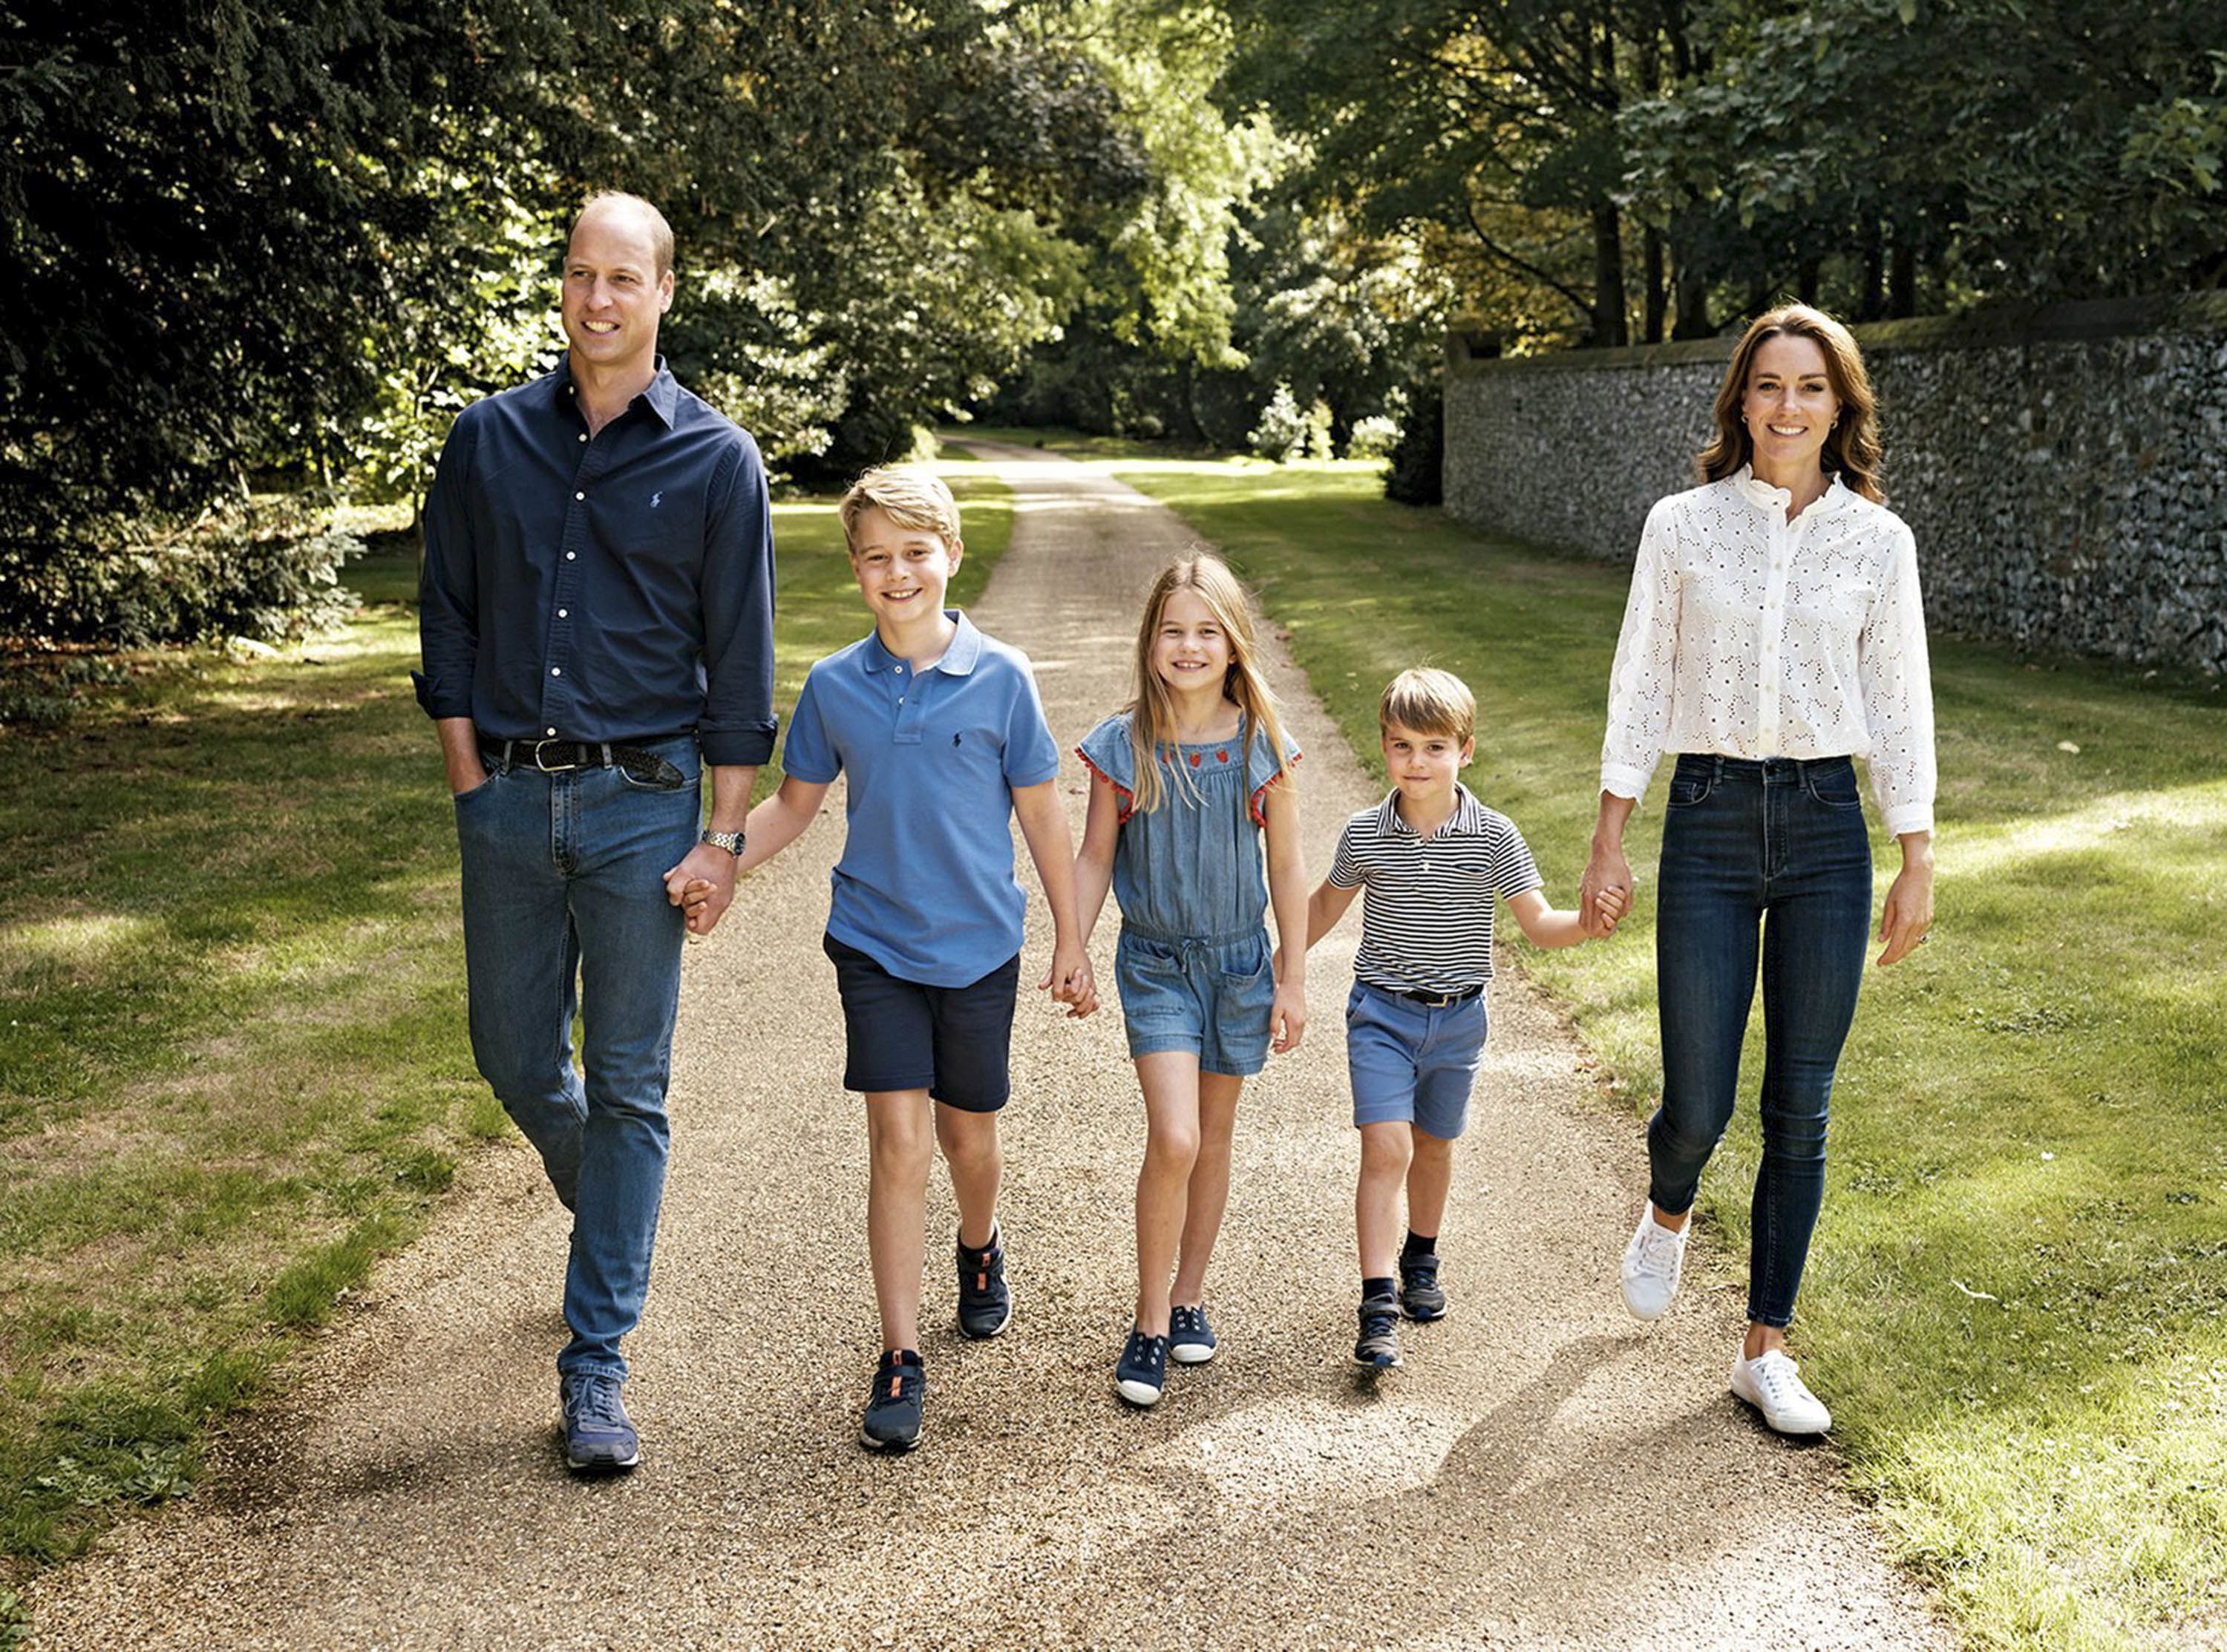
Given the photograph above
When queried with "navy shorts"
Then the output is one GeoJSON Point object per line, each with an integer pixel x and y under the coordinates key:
{"type": "Point", "coordinates": [953, 1042]}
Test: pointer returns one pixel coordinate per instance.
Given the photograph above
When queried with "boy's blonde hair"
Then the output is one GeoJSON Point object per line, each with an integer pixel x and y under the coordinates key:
{"type": "Point", "coordinates": [1429, 701]}
{"type": "Point", "coordinates": [1152, 724]}
{"type": "Point", "coordinates": [911, 495]}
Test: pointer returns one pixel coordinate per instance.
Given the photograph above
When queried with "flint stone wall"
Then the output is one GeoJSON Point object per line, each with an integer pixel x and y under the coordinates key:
{"type": "Point", "coordinates": [2062, 467]}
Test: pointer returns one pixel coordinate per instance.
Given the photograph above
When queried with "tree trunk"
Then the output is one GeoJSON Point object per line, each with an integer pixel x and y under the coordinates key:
{"type": "Point", "coordinates": [1902, 278]}
{"type": "Point", "coordinates": [1609, 327]}
{"type": "Point", "coordinates": [1807, 278]}
{"type": "Point", "coordinates": [1872, 304]}
{"type": "Point", "coordinates": [1655, 298]}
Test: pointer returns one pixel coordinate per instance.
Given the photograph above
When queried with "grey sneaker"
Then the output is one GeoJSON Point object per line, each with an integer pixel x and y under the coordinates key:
{"type": "Point", "coordinates": [1379, 1347]}
{"type": "Point", "coordinates": [599, 1437]}
{"type": "Point", "coordinates": [1420, 1297]}
{"type": "Point", "coordinates": [1191, 1341]}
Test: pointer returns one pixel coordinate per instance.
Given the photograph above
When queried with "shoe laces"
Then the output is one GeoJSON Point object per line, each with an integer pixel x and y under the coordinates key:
{"type": "Point", "coordinates": [595, 1400]}
{"type": "Point", "coordinates": [1659, 1249]}
{"type": "Point", "coordinates": [1777, 1376]}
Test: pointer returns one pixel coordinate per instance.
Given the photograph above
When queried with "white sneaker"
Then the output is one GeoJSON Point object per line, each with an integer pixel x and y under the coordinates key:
{"type": "Point", "coordinates": [1772, 1384]}
{"type": "Point", "coordinates": [1652, 1262]}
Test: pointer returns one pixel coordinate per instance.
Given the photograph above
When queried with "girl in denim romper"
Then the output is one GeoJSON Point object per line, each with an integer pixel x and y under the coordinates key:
{"type": "Point", "coordinates": [1184, 788]}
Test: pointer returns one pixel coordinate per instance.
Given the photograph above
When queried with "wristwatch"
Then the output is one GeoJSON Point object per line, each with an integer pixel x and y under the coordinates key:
{"type": "Point", "coordinates": [730, 841]}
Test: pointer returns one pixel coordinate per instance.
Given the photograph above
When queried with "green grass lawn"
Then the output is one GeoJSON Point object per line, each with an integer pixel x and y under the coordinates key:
{"type": "Point", "coordinates": [233, 1069]}
{"type": "Point", "coordinates": [2017, 1306]}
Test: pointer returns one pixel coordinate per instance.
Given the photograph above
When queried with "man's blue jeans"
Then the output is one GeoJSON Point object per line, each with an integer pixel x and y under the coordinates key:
{"type": "Point", "coordinates": [1779, 843]}
{"type": "Point", "coordinates": [566, 913]}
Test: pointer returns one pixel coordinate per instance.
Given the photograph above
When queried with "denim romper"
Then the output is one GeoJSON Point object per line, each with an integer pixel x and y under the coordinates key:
{"type": "Point", "coordinates": [1193, 961]}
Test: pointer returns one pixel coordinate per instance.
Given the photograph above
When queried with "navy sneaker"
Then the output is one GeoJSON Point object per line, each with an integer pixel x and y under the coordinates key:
{"type": "Point", "coordinates": [893, 1409]}
{"type": "Point", "coordinates": [1420, 1298]}
{"type": "Point", "coordinates": [599, 1437]}
{"type": "Point", "coordinates": [1379, 1347]}
{"type": "Point", "coordinates": [1190, 1339]}
{"type": "Point", "coordinates": [985, 1302]}
{"type": "Point", "coordinates": [1143, 1370]}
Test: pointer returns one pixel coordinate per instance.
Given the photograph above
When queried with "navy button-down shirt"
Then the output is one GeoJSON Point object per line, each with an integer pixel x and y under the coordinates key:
{"type": "Point", "coordinates": [614, 588]}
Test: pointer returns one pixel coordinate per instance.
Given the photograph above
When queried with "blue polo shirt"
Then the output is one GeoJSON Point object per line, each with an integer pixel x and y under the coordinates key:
{"type": "Point", "coordinates": [925, 887]}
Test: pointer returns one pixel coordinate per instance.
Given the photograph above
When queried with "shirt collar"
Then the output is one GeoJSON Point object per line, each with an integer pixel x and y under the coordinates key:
{"type": "Point", "coordinates": [1467, 820]}
{"type": "Point", "coordinates": [663, 394]}
{"type": "Point", "coordinates": [957, 659]}
{"type": "Point", "coordinates": [1762, 495]}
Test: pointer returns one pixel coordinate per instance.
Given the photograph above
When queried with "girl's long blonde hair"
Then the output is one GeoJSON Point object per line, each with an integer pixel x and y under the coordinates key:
{"type": "Point", "coordinates": [1153, 723]}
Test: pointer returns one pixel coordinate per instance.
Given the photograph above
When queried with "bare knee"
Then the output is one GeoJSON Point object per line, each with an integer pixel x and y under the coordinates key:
{"type": "Point", "coordinates": [1171, 1150]}
{"type": "Point", "coordinates": [1386, 1149]}
{"type": "Point", "coordinates": [899, 1141]}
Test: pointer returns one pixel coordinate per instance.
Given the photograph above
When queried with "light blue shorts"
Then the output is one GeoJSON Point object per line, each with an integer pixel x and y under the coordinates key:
{"type": "Point", "coordinates": [1210, 997]}
{"type": "Point", "coordinates": [1410, 1063]}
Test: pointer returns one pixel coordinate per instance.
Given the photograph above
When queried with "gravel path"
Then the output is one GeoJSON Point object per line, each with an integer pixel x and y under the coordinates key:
{"type": "Point", "coordinates": [1544, 1474]}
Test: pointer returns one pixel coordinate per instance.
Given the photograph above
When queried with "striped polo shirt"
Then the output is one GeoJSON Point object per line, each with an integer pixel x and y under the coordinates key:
{"type": "Point", "coordinates": [1427, 903]}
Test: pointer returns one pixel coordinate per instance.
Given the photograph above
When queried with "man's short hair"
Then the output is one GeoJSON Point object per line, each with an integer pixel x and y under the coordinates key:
{"type": "Point", "coordinates": [660, 233]}
{"type": "Point", "coordinates": [911, 495]}
{"type": "Point", "coordinates": [1429, 701]}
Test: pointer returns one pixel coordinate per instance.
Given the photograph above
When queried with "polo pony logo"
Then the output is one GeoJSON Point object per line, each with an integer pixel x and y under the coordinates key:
{"type": "Point", "coordinates": [656, 499]}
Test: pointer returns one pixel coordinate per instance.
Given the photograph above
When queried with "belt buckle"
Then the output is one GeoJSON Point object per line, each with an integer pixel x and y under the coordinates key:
{"type": "Point", "coordinates": [560, 768]}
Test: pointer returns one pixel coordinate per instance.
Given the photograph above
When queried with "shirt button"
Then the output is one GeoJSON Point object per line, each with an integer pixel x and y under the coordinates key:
{"type": "Point", "coordinates": [579, 495]}
{"type": "Point", "coordinates": [583, 436]}
{"type": "Point", "coordinates": [552, 734]}
{"type": "Point", "coordinates": [555, 671]}
{"type": "Point", "coordinates": [570, 555]}
{"type": "Point", "coordinates": [563, 612]}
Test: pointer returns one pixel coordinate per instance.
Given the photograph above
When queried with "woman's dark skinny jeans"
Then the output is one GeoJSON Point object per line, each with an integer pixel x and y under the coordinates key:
{"type": "Point", "coordinates": [1779, 843]}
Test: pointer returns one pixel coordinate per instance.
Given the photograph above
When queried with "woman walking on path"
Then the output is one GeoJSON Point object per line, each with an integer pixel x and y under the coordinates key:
{"type": "Point", "coordinates": [1774, 632]}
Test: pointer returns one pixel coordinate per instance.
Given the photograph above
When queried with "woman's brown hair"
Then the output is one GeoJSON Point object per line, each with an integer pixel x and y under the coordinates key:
{"type": "Point", "coordinates": [1851, 446]}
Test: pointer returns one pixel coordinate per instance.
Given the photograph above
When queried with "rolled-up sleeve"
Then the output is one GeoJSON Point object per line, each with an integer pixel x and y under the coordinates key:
{"type": "Point", "coordinates": [1895, 675]}
{"type": "Point", "coordinates": [1640, 682]}
{"type": "Point", "coordinates": [448, 586]}
{"type": "Point", "coordinates": [737, 585]}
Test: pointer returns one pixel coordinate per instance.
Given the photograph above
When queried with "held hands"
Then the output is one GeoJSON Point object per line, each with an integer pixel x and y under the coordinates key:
{"type": "Point", "coordinates": [1069, 981]}
{"type": "Point", "coordinates": [1605, 893]}
{"type": "Point", "coordinates": [1287, 1015]}
{"type": "Point", "coordinates": [702, 886]}
{"type": "Point", "coordinates": [1610, 905]}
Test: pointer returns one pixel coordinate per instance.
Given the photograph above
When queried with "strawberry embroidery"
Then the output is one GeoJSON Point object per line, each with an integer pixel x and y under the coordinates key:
{"type": "Point", "coordinates": [1221, 756]}
{"type": "Point", "coordinates": [1194, 758]}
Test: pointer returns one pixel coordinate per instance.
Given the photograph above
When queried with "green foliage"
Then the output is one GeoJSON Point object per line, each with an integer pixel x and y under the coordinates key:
{"type": "Point", "coordinates": [219, 581]}
{"type": "Point", "coordinates": [283, 247]}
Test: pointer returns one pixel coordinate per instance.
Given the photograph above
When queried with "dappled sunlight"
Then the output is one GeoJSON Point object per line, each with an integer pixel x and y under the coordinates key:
{"type": "Point", "coordinates": [1981, 850]}
{"type": "Point", "coordinates": [79, 946]}
{"type": "Point", "coordinates": [1306, 1449]}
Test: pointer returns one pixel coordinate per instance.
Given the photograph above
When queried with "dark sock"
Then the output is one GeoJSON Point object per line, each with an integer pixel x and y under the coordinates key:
{"type": "Point", "coordinates": [902, 1356]}
{"type": "Point", "coordinates": [1382, 1287]}
{"type": "Point", "coordinates": [1417, 1245]}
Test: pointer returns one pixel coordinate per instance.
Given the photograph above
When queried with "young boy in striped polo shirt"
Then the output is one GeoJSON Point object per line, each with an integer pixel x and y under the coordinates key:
{"type": "Point", "coordinates": [1434, 861]}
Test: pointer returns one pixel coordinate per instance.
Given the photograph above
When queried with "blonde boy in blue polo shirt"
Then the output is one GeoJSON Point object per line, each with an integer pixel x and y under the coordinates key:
{"type": "Point", "coordinates": [1434, 861]}
{"type": "Point", "coordinates": [939, 733]}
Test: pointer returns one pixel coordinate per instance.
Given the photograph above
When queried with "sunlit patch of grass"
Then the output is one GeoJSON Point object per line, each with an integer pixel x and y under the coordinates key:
{"type": "Point", "coordinates": [2016, 1298]}
{"type": "Point", "coordinates": [234, 1066]}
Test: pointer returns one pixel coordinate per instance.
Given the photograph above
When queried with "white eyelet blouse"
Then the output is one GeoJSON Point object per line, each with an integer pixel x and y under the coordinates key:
{"type": "Point", "coordinates": [1750, 636]}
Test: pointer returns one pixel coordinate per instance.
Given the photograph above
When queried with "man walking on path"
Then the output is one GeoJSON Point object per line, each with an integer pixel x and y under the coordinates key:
{"type": "Point", "coordinates": [596, 622]}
